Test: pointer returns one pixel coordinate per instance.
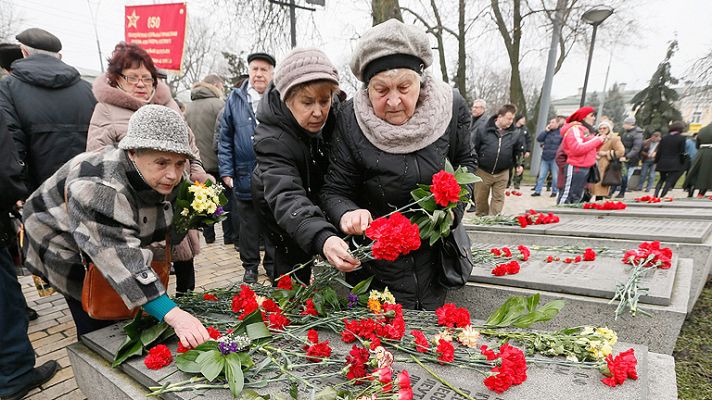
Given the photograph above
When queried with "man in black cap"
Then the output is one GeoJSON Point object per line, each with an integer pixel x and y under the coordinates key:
{"type": "Point", "coordinates": [236, 161]}
{"type": "Point", "coordinates": [47, 106]}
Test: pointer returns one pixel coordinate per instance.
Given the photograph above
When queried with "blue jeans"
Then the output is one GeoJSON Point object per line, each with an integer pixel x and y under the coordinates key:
{"type": "Point", "coordinates": [545, 167]}
{"type": "Point", "coordinates": [16, 353]}
{"type": "Point", "coordinates": [647, 172]}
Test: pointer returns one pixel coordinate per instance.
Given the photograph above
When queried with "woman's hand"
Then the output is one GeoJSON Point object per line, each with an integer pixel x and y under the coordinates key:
{"type": "Point", "coordinates": [355, 222]}
{"type": "Point", "coordinates": [188, 329]}
{"type": "Point", "coordinates": [337, 253]}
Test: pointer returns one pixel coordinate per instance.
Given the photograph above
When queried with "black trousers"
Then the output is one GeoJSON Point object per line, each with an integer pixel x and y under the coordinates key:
{"type": "Point", "coordinates": [185, 276]}
{"type": "Point", "coordinates": [286, 258]}
{"type": "Point", "coordinates": [667, 181]}
{"type": "Point", "coordinates": [251, 236]}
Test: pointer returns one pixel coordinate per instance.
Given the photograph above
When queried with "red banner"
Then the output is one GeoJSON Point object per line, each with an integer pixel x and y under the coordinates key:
{"type": "Point", "coordinates": [160, 30]}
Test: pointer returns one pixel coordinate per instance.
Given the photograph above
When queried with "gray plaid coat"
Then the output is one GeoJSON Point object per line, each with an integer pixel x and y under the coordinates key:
{"type": "Point", "coordinates": [111, 215]}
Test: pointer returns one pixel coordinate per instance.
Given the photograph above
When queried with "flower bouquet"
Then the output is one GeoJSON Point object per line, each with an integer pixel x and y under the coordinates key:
{"type": "Point", "coordinates": [197, 205]}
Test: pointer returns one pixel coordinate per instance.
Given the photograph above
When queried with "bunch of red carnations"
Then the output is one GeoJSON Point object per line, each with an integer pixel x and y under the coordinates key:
{"type": "Point", "coordinates": [655, 255]}
{"type": "Point", "coordinates": [506, 252]}
{"type": "Point", "coordinates": [533, 217]}
{"type": "Point", "coordinates": [589, 254]}
{"type": "Point", "coordinates": [511, 368]}
{"type": "Point", "coordinates": [606, 205]}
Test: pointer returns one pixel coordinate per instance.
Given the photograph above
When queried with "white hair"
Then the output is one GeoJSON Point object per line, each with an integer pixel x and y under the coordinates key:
{"type": "Point", "coordinates": [481, 102]}
{"type": "Point", "coordinates": [32, 51]}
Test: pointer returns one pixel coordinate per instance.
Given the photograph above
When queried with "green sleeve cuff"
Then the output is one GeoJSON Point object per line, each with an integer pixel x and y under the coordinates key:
{"type": "Point", "coordinates": [159, 307]}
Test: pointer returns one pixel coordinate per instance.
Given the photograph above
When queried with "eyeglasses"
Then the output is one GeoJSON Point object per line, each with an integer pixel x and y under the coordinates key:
{"type": "Point", "coordinates": [135, 79]}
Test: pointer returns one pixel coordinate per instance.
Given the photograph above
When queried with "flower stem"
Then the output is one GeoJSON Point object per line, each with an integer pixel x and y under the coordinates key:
{"type": "Point", "coordinates": [443, 381]}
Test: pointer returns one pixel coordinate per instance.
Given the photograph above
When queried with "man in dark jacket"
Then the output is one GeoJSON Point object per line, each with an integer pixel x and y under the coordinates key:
{"type": "Point", "coordinates": [236, 160]}
{"type": "Point", "coordinates": [632, 139]}
{"type": "Point", "coordinates": [477, 123]}
{"type": "Point", "coordinates": [498, 147]}
{"type": "Point", "coordinates": [549, 140]}
{"type": "Point", "coordinates": [47, 106]}
{"type": "Point", "coordinates": [17, 373]}
{"type": "Point", "coordinates": [201, 115]}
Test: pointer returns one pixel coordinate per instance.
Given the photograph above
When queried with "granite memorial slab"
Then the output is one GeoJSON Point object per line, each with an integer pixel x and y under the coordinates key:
{"type": "Point", "coordinates": [596, 278]}
{"type": "Point", "coordinates": [616, 227]}
{"type": "Point", "coordinates": [638, 212]}
{"type": "Point", "coordinates": [98, 380]}
{"type": "Point", "coordinates": [677, 203]}
{"type": "Point", "coordinates": [701, 254]}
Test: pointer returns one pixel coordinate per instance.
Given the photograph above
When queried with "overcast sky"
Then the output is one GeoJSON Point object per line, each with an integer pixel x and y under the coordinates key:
{"type": "Point", "coordinates": [341, 20]}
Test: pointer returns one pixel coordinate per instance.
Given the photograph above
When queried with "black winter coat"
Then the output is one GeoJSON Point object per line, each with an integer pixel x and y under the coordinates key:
{"type": "Point", "coordinates": [288, 178]}
{"type": "Point", "coordinates": [363, 177]}
{"type": "Point", "coordinates": [48, 108]}
{"type": "Point", "coordinates": [669, 154]}
{"type": "Point", "coordinates": [13, 187]}
{"type": "Point", "coordinates": [496, 154]}
{"type": "Point", "coordinates": [633, 143]}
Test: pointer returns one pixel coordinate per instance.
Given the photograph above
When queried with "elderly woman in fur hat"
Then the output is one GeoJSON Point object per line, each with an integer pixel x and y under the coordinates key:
{"type": "Point", "coordinates": [394, 134]}
{"type": "Point", "coordinates": [110, 208]}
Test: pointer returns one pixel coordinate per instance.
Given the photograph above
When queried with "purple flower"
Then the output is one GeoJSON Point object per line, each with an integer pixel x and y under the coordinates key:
{"type": "Point", "coordinates": [353, 300]}
{"type": "Point", "coordinates": [219, 211]}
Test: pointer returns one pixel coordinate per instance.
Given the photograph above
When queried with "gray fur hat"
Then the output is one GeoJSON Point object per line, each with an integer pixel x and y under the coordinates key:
{"type": "Point", "coordinates": [157, 128]}
{"type": "Point", "coordinates": [629, 120]}
{"type": "Point", "coordinates": [389, 45]}
{"type": "Point", "coordinates": [301, 66]}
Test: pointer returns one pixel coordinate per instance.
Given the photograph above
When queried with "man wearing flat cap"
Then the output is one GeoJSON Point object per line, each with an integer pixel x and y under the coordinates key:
{"type": "Point", "coordinates": [236, 160]}
{"type": "Point", "coordinates": [47, 106]}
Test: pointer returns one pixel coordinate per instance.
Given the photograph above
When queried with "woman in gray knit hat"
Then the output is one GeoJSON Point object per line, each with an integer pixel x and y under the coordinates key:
{"type": "Point", "coordinates": [296, 118]}
{"type": "Point", "coordinates": [394, 134]}
{"type": "Point", "coordinates": [110, 207]}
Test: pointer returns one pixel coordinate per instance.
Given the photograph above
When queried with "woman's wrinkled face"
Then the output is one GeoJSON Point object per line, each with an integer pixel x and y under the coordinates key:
{"type": "Point", "coordinates": [161, 170]}
{"type": "Point", "coordinates": [310, 105]}
{"type": "Point", "coordinates": [394, 95]}
{"type": "Point", "coordinates": [137, 82]}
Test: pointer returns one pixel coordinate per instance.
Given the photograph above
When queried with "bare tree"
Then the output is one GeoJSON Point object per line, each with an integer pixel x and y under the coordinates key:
{"type": "Point", "coordinates": [701, 71]}
{"type": "Point", "coordinates": [383, 10]}
{"type": "Point", "coordinates": [9, 22]}
{"type": "Point", "coordinates": [198, 56]}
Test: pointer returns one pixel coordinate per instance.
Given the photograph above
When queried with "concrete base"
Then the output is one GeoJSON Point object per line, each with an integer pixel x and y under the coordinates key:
{"type": "Point", "coordinates": [658, 332]}
{"type": "Point", "coordinates": [700, 254]}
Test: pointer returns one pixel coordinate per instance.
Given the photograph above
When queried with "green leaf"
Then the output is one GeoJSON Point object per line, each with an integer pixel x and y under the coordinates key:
{"type": "Point", "coordinates": [331, 298]}
{"type": "Point", "coordinates": [250, 394]}
{"type": "Point", "coordinates": [327, 394]}
{"type": "Point", "coordinates": [186, 362]}
{"type": "Point", "coordinates": [294, 390]}
{"type": "Point", "coordinates": [533, 301]}
{"type": "Point", "coordinates": [245, 360]}
{"type": "Point", "coordinates": [150, 335]}
{"type": "Point", "coordinates": [211, 364]}
{"type": "Point", "coordinates": [448, 166]}
{"type": "Point", "coordinates": [130, 348]}
{"type": "Point", "coordinates": [362, 287]}
{"type": "Point", "coordinates": [234, 375]}
{"type": "Point", "coordinates": [257, 330]}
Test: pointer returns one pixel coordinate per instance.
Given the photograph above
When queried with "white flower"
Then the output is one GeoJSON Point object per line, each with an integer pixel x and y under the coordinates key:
{"type": "Point", "coordinates": [468, 336]}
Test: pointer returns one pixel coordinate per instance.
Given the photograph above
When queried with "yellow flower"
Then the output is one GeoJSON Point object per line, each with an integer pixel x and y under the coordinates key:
{"type": "Point", "coordinates": [211, 208]}
{"type": "Point", "coordinates": [608, 334]}
{"type": "Point", "coordinates": [468, 336]}
{"type": "Point", "coordinates": [374, 305]}
{"type": "Point", "coordinates": [185, 212]}
{"type": "Point", "coordinates": [387, 297]}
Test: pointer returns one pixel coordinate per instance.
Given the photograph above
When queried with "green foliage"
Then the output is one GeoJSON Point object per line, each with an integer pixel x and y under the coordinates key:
{"type": "Point", "coordinates": [141, 333]}
{"type": "Point", "coordinates": [522, 312]}
{"type": "Point", "coordinates": [654, 106]}
{"type": "Point", "coordinates": [236, 67]}
{"type": "Point", "coordinates": [614, 108]}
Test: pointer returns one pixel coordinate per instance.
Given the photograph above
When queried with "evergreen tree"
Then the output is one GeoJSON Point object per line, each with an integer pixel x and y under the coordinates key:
{"type": "Point", "coordinates": [593, 101]}
{"type": "Point", "coordinates": [614, 108]}
{"type": "Point", "coordinates": [236, 67]}
{"type": "Point", "coordinates": [654, 106]}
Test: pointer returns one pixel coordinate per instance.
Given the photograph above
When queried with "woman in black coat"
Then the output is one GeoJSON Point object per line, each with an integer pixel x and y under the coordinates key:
{"type": "Point", "coordinates": [670, 158]}
{"type": "Point", "coordinates": [394, 134]}
{"type": "Point", "coordinates": [292, 140]}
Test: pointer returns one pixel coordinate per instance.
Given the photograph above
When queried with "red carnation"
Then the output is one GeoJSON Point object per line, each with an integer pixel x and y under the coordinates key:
{"type": "Point", "coordinates": [310, 308]}
{"type": "Point", "coordinates": [568, 260]}
{"type": "Point", "coordinates": [488, 353]}
{"type": "Point", "coordinates": [498, 383]}
{"type": "Point", "coordinates": [513, 363]}
{"type": "Point", "coordinates": [277, 321]}
{"type": "Point", "coordinates": [496, 252]}
{"type": "Point", "coordinates": [620, 368]}
{"type": "Point", "coordinates": [589, 254]}
{"type": "Point", "coordinates": [507, 252]}
{"type": "Point", "coordinates": [393, 236]}
{"type": "Point", "coordinates": [210, 297]}
{"type": "Point", "coordinates": [421, 342]}
{"type": "Point", "coordinates": [445, 189]}
{"type": "Point", "coordinates": [158, 357]}
{"type": "Point", "coordinates": [452, 316]}
{"type": "Point", "coordinates": [577, 259]}
{"type": "Point", "coordinates": [446, 352]}
{"type": "Point", "coordinates": [214, 333]}
{"type": "Point", "coordinates": [285, 282]}
{"type": "Point", "coordinates": [500, 270]}
{"type": "Point", "coordinates": [270, 306]}
{"type": "Point", "coordinates": [316, 351]}
{"type": "Point", "coordinates": [513, 267]}
{"type": "Point", "coordinates": [524, 251]}
{"type": "Point", "coordinates": [550, 259]}
{"type": "Point", "coordinates": [356, 363]}
{"type": "Point", "coordinates": [183, 349]}
{"type": "Point", "coordinates": [523, 221]}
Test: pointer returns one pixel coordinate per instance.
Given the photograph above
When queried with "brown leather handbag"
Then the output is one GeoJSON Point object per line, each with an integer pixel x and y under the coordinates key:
{"type": "Point", "coordinates": [101, 301]}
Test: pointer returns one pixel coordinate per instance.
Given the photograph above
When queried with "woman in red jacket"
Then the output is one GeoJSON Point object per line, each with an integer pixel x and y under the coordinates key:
{"type": "Point", "coordinates": [580, 146]}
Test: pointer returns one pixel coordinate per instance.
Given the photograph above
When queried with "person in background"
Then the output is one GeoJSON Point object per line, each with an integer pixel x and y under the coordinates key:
{"type": "Point", "coordinates": [112, 207]}
{"type": "Point", "coordinates": [632, 139]}
{"type": "Point", "coordinates": [9, 52]}
{"type": "Point", "coordinates": [130, 83]}
{"type": "Point", "coordinates": [647, 157]}
{"type": "Point", "coordinates": [236, 161]}
{"type": "Point", "coordinates": [520, 124]}
{"type": "Point", "coordinates": [670, 158]}
{"type": "Point", "coordinates": [580, 146]}
{"type": "Point", "coordinates": [700, 175]}
{"type": "Point", "coordinates": [690, 149]}
{"type": "Point", "coordinates": [612, 149]}
{"type": "Point", "coordinates": [549, 140]}
{"type": "Point", "coordinates": [479, 107]}
{"type": "Point", "coordinates": [201, 115]}
{"type": "Point", "coordinates": [499, 148]}
{"type": "Point", "coordinates": [292, 142]}
{"type": "Point", "coordinates": [18, 375]}
{"type": "Point", "coordinates": [395, 133]}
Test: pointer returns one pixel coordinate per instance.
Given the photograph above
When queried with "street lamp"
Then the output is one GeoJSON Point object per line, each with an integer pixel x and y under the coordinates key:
{"type": "Point", "coordinates": [595, 16]}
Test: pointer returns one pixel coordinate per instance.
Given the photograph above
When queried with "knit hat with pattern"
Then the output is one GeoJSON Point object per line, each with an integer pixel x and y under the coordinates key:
{"type": "Point", "coordinates": [303, 65]}
{"type": "Point", "coordinates": [157, 128]}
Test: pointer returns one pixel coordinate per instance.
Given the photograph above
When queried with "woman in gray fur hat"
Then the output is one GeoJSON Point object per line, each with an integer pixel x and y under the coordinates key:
{"type": "Point", "coordinates": [394, 134]}
{"type": "Point", "coordinates": [111, 207]}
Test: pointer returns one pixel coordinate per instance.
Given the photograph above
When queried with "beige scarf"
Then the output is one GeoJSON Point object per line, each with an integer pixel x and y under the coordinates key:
{"type": "Point", "coordinates": [429, 122]}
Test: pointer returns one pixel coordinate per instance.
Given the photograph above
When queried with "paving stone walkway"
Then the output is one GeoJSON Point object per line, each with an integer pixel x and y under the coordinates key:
{"type": "Point", "coordinates": [218, 265]}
